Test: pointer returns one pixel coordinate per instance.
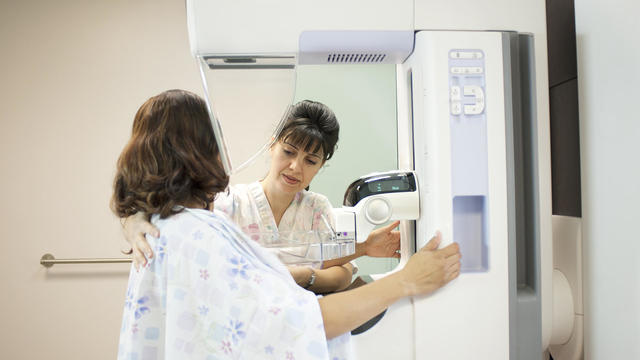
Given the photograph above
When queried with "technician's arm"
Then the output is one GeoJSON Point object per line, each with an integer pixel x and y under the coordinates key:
{"type": "Point", "coordinates": [329, 280]}
{"type": "Point", "coordinates": [426, 271]}
{"type": "Point", "coordinates": [135, 227]}
{"type": "Point", "coordinates": [382, 242]}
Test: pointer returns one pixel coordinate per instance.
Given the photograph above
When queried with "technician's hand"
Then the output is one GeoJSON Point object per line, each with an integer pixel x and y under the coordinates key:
{"type": "Point", "coordinates": [383, 242]}
{"type": "Point", "coordinates": [429, 269]}
{"type": "Point", "coordinates": [135, 227]}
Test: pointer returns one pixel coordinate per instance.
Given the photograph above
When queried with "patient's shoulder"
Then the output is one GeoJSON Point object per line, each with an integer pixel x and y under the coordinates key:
{"type": "Point", "coordinates": [233, 196]}
{"type": "Point", "coordinates": [186, 222]}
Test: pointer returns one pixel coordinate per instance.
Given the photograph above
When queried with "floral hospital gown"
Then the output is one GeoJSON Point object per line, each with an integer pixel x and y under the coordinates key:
{"type": "Point", "coordinates": [211, 293]}
{"type": "Point", "coordinates": [248, 207]}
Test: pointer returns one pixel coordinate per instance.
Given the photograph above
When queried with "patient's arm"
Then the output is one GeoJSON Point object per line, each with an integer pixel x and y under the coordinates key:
{"type": "Point", "coordinates": [382, 242]}
{"type": "Point", "coordinates": [135, 227]}
{"type": "Point", "coordinates": [327, 280]}
{"type": "Point", "coordinates": [426, 271]}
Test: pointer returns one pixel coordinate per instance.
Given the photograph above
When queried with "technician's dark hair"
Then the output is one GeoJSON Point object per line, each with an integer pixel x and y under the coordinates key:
{"type": "Point", "coordinates": [311, 126]}
{"type": "Point", "coordinates": [171, 159]}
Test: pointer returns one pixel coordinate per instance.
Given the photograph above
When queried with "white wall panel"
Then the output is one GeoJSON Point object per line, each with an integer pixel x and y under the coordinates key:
{"type": "Point", "coordinates": [608, 74]}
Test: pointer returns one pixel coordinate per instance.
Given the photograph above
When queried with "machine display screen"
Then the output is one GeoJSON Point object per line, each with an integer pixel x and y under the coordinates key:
{"type": "Point", "coordinates": [379, 184]}
{"type": "Point", "coordinates": [389, 185]}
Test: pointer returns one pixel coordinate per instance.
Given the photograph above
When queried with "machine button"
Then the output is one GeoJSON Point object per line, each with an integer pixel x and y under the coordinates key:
{"type": "Point", "coordinates": [456, 108]}
{"type": "Point", "coordinates": [473, 90]}
{"type": "Point", "coordinates": [466, 70]}
{"type": "Point", "coordinates": [455, 92]}
{"type": "Point", "coordinates": [465, 55]}
{"type": "Point", "coordinates": [475, 109]}
{"type": "Point", "coordinates": [378, 211]}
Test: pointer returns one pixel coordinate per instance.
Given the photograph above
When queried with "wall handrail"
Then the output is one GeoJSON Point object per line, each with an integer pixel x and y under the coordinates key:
{"type": "Point", "coordinates": [48, 260]}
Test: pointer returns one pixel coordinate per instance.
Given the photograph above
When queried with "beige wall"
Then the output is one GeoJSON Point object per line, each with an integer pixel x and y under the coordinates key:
{"type": "Point", "coordinates": [72, 75]}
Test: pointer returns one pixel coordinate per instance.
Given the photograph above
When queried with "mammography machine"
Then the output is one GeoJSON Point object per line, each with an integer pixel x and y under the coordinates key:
{"type": "Point", "coordinates": [467, 131]}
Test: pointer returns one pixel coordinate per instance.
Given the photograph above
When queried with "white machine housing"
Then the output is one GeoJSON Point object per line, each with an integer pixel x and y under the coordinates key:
{"type": "Point", "coordinates": [241, 28]}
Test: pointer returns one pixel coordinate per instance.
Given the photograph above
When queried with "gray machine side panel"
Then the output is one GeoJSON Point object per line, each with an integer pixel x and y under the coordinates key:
{"type": "Point", "coordinates": [522, 192]}
{"type": "Point", "coordinates": [507, 39]}
{"type": "Point", "coordinates": [529, 297]}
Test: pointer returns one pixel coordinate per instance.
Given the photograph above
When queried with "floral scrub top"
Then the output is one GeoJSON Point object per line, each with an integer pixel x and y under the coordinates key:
{"type": "Point", "coordinates": [248, 207]}
{"type": "Point", "coordinates": [211, 293]}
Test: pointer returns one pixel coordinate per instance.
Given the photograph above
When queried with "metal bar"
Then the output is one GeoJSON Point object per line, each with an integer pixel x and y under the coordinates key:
{"type": "Point", "coordinates": [48, 260]}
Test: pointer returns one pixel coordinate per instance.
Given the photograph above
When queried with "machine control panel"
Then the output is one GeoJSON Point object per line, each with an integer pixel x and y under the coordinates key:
{"type": "Point", "coordinates": [466, 82]}
{"type": "Point", "coordinates": [469, 164]}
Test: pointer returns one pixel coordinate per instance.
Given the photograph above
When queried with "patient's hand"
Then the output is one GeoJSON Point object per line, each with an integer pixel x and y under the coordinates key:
{"type": "Point", "coordinates": [431, 268]}
{"type": "Point", "coordinates": [135, 227]}
{"type": "Point", "coordinates": [383, 242]}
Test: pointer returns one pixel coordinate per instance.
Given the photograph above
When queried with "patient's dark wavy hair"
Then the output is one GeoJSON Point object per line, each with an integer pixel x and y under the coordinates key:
{"type": "Point", "coordinates": [311, 126]}
{"type": "Point", "coordinates": [171, 159]}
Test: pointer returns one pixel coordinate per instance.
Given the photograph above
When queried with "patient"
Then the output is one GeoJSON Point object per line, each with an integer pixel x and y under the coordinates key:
{"type": "Point", "coordinates": [209, 291]}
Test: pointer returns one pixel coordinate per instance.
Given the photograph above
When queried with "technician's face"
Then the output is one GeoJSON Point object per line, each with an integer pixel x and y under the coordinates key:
{"type": "Point", "coordinates": [292, 169]}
